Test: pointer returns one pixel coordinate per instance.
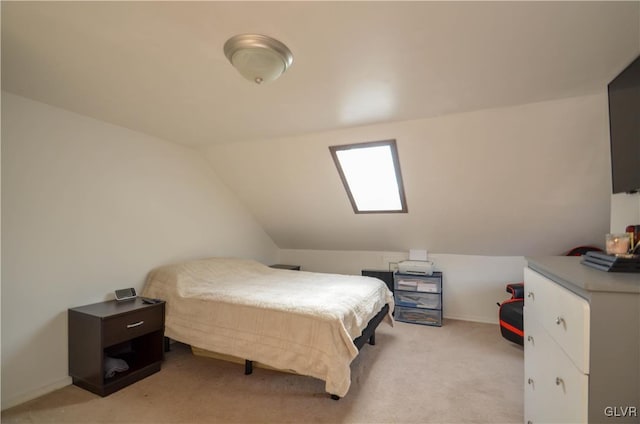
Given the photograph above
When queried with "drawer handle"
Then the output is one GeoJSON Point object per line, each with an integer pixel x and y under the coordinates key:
{"type": "Point", "coordinates": [530, 381]}
{"type": "Point", "coordinates": [530, 338]}
{"type": "Point", "coordinates": [530, 295]}
{"type": "Point", "coordinates": [560, 320]}
{"type": "Point", "coordinates": [135, 324]}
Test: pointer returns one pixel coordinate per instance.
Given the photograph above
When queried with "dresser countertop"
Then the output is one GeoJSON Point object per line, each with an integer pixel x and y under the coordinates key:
{"type": "Point", "coordinates": [570, 273]}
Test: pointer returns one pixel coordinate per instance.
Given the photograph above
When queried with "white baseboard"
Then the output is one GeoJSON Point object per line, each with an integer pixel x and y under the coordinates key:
{"type": "Point", "coordinates": [34, 393]}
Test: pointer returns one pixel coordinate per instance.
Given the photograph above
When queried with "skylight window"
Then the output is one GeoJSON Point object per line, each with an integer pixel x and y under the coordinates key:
{"type": "Point", "coordinates": [371, 175]}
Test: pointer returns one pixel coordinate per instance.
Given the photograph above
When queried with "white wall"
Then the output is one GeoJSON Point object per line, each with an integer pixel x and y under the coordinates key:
{"type": "Point", "coordinates": [471, 284]}
{"type": "Point", "coordinates": [87, 208]}
{"type": "Point", "coordinates": [625, 210]}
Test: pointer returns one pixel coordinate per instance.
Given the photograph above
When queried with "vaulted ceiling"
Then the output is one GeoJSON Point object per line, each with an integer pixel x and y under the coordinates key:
{"type": "Point", "coordinates": [498, 108]}
{"type": "Point", "coordinates": [159, 68]}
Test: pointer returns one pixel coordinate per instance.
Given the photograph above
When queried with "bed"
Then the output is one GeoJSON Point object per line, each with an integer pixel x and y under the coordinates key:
{"type": "Point", "coordinates": [310, 323]}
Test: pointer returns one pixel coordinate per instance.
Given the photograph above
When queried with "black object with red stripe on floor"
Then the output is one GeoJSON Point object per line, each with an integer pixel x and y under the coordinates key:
{"type": "Point", "coordinates": [510, 314]}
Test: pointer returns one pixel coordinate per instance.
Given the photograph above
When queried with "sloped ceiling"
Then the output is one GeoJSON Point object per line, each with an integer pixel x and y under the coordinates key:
{"type": "Point", "coordinates": [499, 109]}
{"type": "Point", "coordinates": [158, 67]}
{"type": "Point", "coordinates": [526, 180]}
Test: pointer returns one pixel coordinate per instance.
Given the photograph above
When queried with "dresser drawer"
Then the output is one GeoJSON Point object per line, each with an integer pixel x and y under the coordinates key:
{"type": "Point", "coordinates": [563, 314]}
{"type": "Point", "coordinates": [555, 389]}
{"type": "Point", "coordinates": [127, 326]}
{"type": "Point", "coordinates": [418, 300]}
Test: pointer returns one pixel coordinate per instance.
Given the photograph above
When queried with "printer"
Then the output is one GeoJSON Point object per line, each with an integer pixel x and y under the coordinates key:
{"type": "Point", "coordinates": [415, 267]}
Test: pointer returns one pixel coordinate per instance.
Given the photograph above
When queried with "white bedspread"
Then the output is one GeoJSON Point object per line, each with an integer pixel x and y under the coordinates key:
{"type": "Point", "coordinates": [291, 320]}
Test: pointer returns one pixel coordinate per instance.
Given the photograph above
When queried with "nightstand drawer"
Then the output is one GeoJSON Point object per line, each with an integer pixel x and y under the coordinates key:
{"type": "Point", "coordinates": [130, 325]}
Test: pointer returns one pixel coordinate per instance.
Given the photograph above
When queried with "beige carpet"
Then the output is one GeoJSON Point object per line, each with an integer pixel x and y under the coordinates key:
{"type": "Point", "coordinates": [461, 372]}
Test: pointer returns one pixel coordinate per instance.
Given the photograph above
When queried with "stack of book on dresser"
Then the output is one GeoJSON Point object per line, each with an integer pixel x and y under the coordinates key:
{"type": "Point", "coordinates": [612, 263]}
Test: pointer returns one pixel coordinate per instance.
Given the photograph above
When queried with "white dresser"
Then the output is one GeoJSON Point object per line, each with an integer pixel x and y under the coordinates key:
{"type": "Point", "coordinates": [582, 343]}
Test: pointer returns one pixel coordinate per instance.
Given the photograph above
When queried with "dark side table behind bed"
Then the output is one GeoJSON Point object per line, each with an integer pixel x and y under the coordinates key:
{"type": "Point", "coordinates": [386, 276]}
{"type": "Point", "coordinates": [285, 266]}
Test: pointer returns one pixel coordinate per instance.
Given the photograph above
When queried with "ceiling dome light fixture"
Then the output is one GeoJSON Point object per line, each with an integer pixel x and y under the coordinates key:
{"type": "Point", "coordinates": [258, 58]}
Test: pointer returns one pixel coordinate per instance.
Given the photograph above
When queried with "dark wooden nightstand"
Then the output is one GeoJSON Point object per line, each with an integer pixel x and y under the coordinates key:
{"type": "Point", "coordinates": [284, 266]}
{"type": "Point", "coordinates": [129, 330]}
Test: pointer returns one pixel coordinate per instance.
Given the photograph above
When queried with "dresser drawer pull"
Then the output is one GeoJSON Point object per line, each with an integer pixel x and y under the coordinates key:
{"type": "Point", "coordinates": [530, 381]}
{"type": "Point", "coordinates": [530, 295]}
{"type": "Point", "coordinates": [135, 324]}
{"type": "Point", "coordinates": [560, 320]}
{"type": "Point", "coordinates": [530, 338]}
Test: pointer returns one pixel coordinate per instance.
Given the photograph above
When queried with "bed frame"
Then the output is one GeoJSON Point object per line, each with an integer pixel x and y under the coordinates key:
{"type": "Point", "coordinates": [368, 335]}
